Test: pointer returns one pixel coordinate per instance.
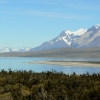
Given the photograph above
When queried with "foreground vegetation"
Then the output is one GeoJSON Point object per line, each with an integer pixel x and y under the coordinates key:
{"type": "Point", "coordinates": [50, 85]}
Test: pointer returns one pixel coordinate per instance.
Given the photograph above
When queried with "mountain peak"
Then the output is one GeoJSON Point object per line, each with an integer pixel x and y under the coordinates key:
{"type": "Point", "coordinates": [94, 28]}
{"type": "Point", "coordinates": [68, 31]}
{"type": "Point", "coordinates": [78, 39]}
{"type": "Point", "coordinates": [97, 26]}
{"type": "Point", "coordinates": [78, 32]}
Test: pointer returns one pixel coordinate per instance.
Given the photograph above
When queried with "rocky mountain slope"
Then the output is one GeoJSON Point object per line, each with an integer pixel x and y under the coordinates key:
{"type": "Point", "coordinates": [79, 39]}
{"type": "Point", "coordinates": [65, 39]}
{"type": "Point", "coordinates": [90, 38]}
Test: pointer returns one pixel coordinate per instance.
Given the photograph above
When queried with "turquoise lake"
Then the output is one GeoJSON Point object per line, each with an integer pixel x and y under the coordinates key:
{"type": "Point", "coordinates": [18, 63]}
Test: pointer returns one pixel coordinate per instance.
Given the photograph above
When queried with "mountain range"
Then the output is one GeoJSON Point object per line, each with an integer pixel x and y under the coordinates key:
{"type": "Point", "coordinates": [82, 38]}
{"type": "Point", "coordinates": [7, 49]}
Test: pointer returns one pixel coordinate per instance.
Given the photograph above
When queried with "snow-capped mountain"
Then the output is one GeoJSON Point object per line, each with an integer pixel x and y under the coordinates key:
{"type": "Point", "coordinates": [90, 38]}
{"type": "Point", "coordinates": [65, 39]}
{"type": "Point", "coordinates": [78, 39]}
{"type": "Point", "coordinates": [7, 49]}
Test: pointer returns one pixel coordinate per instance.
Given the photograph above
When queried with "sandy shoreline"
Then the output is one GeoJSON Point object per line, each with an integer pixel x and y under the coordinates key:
{"type": "Point", "coordinates": [69, 63]}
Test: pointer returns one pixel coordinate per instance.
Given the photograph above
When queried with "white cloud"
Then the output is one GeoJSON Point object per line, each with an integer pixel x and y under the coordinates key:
{"type": "Point", "coordinates": [60, 15]}
{"type": "Point", "coordinates": [82, 5]}
{"type": "Point", "coordinates": [51, 15]}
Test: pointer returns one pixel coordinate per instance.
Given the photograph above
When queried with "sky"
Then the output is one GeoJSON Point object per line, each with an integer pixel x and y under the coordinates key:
{"type": "Point", "coordinates": [29, 23]}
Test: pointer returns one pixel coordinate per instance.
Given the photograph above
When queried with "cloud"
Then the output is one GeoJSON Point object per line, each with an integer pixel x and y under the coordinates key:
{"type": "Point", "coordinates": [61, 9]}
{"type": "Point", "coordinates": [82, 5]}
{"type": "Point", "coordinates": [72, 4]}
{"type": "Point", "coordinates": [59, 15]}
{"type": "Point", "coordinates": [50, 15]}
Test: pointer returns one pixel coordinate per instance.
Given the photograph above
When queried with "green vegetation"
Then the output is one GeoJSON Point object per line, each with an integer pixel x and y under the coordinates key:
{"type": "Point", "coordinates": [50, 85]}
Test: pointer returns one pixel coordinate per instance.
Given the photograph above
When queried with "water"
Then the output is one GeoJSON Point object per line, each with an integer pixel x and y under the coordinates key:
{"type": "Point", "coordinates": [18, 63]}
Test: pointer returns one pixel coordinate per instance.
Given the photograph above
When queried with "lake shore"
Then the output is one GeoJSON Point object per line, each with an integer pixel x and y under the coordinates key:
{"type": "Point", "coordinates": [69, 63]}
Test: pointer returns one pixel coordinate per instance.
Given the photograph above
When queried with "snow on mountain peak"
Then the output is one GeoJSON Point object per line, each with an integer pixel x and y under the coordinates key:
{"type": "Point", "coordinates": [68, 32]}
{"type": "Point", "coordinates": [7, 49]}
{"type": "Point", "coordinates": [78, 32]}
{"type": "Point", "coordinates": [69, 36]}
{"type": "Point", "coordinates": [97, 26]}
{"type": "Point", "coordinates": [26, 48]}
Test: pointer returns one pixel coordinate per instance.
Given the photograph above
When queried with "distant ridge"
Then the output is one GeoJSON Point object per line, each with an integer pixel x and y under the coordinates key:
{"type": "Point", "coordinates": [61, 53]}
